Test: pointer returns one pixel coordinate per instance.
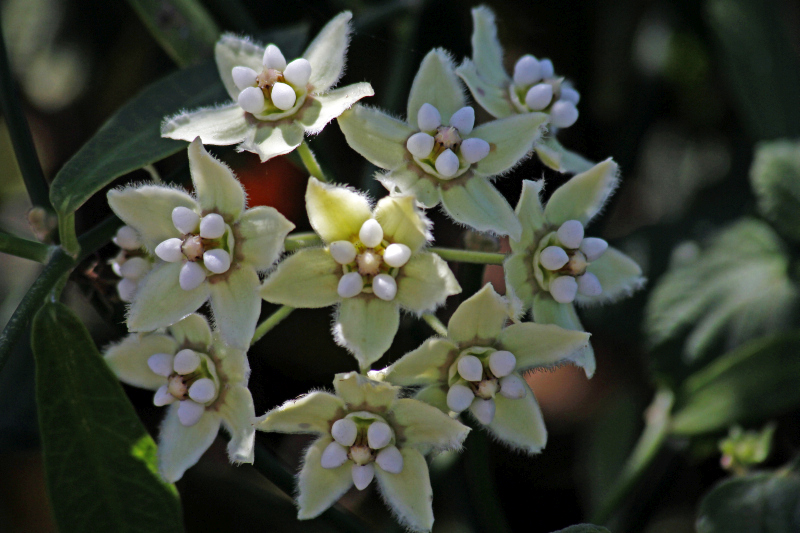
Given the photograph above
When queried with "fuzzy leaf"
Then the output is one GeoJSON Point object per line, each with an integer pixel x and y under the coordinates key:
{"type": "Point", "coordinates": [427, 428]}
{"type": "Point", "coordinates": [359, 392]}
{"type": "Point", "coordinates": [232, 51]}
{"type": "Point", "coordinates": [548, 311]}
{"type": "Point", "coordinates": [486, 50]}
{"type": "Point", "coordinates": [217, 125]}
{"type": "Point", "coordinates": [237, 413]}
{"type": "Point", "coordinates": [271, 141]}
{"type": "Point", "coordinates": [179, 446]}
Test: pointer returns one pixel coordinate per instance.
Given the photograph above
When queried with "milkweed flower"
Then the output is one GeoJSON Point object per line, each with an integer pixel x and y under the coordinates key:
{"type": "Point", "coordinates": [131, 264]}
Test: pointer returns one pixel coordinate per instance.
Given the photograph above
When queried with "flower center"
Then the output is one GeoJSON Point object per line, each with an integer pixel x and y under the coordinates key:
{"type": "Point", "coordinates": [192, 247]}
{"type": "Point", "coordinates": [191, 380]}
{"type": "Point", "coordinates": [369, 262]}
{"type": "Point", "coordinates": [268, 78]}
{"type": "Point", "coordinates": [446, 137]}
{"type": "Point", "coordinates": [364, 439]}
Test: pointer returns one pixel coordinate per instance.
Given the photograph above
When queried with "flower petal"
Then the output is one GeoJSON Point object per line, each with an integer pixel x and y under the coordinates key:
{"type": "Point", "coordinates": [519, 423]}
{"type": "Point", "coordinates": [519, 277]}
{"type": "Point", "coordinates": [424, 366]}
{"type": "Point", "coordinates": [236, 305]}
{"type": "Point", "coordinates": [232, 51]}
{"type": "Point", "coordinates": [360, 392]}
{"type": "Point", "coordinates": [403, 222]}
{"type": "Point", "coordinates": [335, 212]}
{"type": "Point", "coordinates": [378, 137]}
{"type": "Point", "coordinates": [218, 190]}
{"type": "Point", "coordinates": [406, 181]}
{"type": "Point", "coordinates": [366, 325]}
{"type": "Point", "coordinates": [491, 97]}
{"type": "Point", "coordinates": [619, 276]}
{"type": "Point", "coordinates": [318, 488]}
{"type": "Point", "coordinates": [192, 329]}
{"type": "Point", "coordinates": [314, 412]}
{"type": "Point", "coordinates": [568, 161]}
{"type": "Point", "coordinates": [128, 359]}
{"type": "Point", "coordinates": [486, 50]}
{"type": "Point", "coordinates": [436, 83]}
{"type": "Point", "coordinates": [584, 195]}
{"type": "Point", "coordinates": [478, 204]}
{"type": "Point", "coordinates": [307, 278]}
{"type": "Point", "coordinates": [548, 311]}
{"type": "Point", "coordinates": [263, 231]}
{"type": "Point", "coordinates": [427, 428]}
{"type": "Point", "coordinates": [238, 412]}
{"type": "Point", "coordinates": [425, 282]}
{"type": "Point", "coordinates": [271, 141]}
{"type": "Point", "coordinates": [179, 446]}
{"type": "Point", "coordinates": [233, 360]}
{"type": "Point", "coordinates": [327, 107]}
{"type": "Point", "coordinates": [218, 125]}
{"type": "Point", "coordinates": [543, 345]}
{"type": "Point", "coordinates": [326, 53]}
{"type": "Point", "coordinates": [481, 316]}
{"type": "Point", "coordinates": [530, 214]}
{"type": "Point", "coordinates": [511, 139]}
{"type": "Point", "coordinates": [409, 493]}
{"type": "Point", "coordinates": [435, 395]}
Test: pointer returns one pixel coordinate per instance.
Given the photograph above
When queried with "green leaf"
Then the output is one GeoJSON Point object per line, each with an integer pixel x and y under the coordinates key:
{"type": "Point", "coordinates": [583, 528]}
{"type": "Point", "coordinates": [131, 138]}
{"type": "Point", "coordinates": [100, 462]}
{"type": "Point", "coordinates": [775, 176]}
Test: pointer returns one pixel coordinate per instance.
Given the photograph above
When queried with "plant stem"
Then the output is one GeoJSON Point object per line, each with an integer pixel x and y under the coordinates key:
{"type": "Point", "coordinates": [310, 162]}
{"type": "Point", "coordinates": [35, 251]}
{"type": "Point", "coordinates": [271, 321]}
{"type": "Point", "coordinates": [301, 240]}
{"type": "Point", "coordinates": [469, 256]}
{"type": "Point", "coordinates": [435, 324]}
{"type": "Point", "coordinates": [66, 234]}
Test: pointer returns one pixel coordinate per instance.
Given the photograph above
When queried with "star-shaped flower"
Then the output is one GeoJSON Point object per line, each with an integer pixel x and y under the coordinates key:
{"type": "Point", "coordinates": [439, 155]}
{"type": "Point", "coordinates": [372, 264]}
{"type": "Point", "coordinates": [479, 367]}
{"type": "Point", "coordinates": [274, 103]}
{"type": "Point", "coordinates": [208, 247]}
{"type": "Point", "coordinates": [202, 379]}
{"type": "Point", "coordinates": [366, 431]}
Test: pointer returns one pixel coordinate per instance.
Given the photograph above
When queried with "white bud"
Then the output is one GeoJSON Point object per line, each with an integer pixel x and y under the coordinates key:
{"type": "Point", "coordinates": [502, 363]}
{"type": "Point", "coordinates": [483, 410]}
{"type": "Point", "coordinates": [396, 255]}
{"type": "Point", "coordinates": [539, 96]}
{"type": "Point", "coordinates": [553, 257]}
{"type": "Point", "coordinates": [563, 289]}
{"type": "Point", "coordinates": [244, 77]}
{"type": "Point", "coordinates": [463, 120]}
{"type": "Point", "coordinates": [298, 72]}
{"type": "Point", "coordinates": [170, 250]}
{"type": "Point", "coordinates": [203, 390]}
{"type": "Point", "coordinates": [428, 118]}
{"type": "Point", "coordinates": [589, 285]}
{"type": "Point", "coordinates": [563, 114]}
{"type": "Point", "coordinates": [384, 287]}
{"type": "Point", "coordinates": [420, 144]}
{"type": "Point", "coordinates": [333, 456]}
{"type": "Point", "coordinates": [160, 363]}
{"type": "Point", "coordinates": [474, 149]}
{"type": "Point", "coordinates": [252, 100]}
{"type": "Point", "coordinates": [547, 68]}
{"type": "Point", "coordinates": [390, 459]}
{"type": "Point", "coordinates": [570, 95]}
{"type": "Point", "coordinates": [512, 387]}
{"type": "Point", "coordinates": [379, 434]}
{"type": "Point", "coordinates": [362, 475]}
{"type": "Point", "coordinates": [344, 431]}
{"type": "Point", "coordinates": [217, 261]}
{"type": "Point", "coordinates": [189, 412]}
{"type": "Point", "coordinates": [212, 226]}
{"type": "Point", "coordinates": [527, 70]}
{"type": "Point", "coordinates": [273, 58]}
{"type": "Point", "coordinates": [459, 397]}
{"type": "Point", "coordinates": [447, 163]}
{"type": "Point", "coordinates": [371, 233]}
{"type": "Point", "coordinates": [570, 233]}
{"type": "Point", "coordinates": [134, 268]}
{"type": "Point", "coordinates": [470, 368]}
{"type": "Point", "coordinates": [127, 238]}
{"type": "Point", "coordinates": [126, 288]}
{"type": "Point", "coordinates": [343, 252]}
{"type": "Point", "coordinates": [350, 285]}
{"type": "Point", "coordinates": [192, 276]}
{"type": "Point", "coordinates": [283, 96]}
{"type": "Point", "coordinates": [186, 361]}
{"type": "Point", "coordinates": [163, 397]}
{"type": "Point", "coordinates": [185, 219]}
{"type": "Point", "coordinates": [593, 248]}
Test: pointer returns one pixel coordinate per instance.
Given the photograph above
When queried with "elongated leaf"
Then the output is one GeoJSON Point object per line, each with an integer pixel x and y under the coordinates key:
{"type": "Point", "coordinates": [100, 462]}
{"type": "Point", "coordinates": [775, 176]}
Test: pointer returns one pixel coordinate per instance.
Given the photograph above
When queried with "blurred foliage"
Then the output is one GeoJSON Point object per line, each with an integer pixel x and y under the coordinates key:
{"type": "Point", "coordinates": [742, 449]}
{"type": "Point", "coordinates": [776, 181]}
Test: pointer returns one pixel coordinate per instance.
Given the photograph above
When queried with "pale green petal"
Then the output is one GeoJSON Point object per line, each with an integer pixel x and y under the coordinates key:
{"type": "Point", "coordinates": [427, 428]}
{"type": "Point", "coordinates": [219, 125]}
{"type": "Point", "coordinates": [436, 83]}
{"type": "Point", "coordinates": [148, 210]}
{"type": "Point", "coordinates": [238, 412]}
{"type": "Point", "coordinates": [236, 304]}
{"type": "Point", "coordinates": [192, 329]}
{"type": "Point", "coordinates": [217, 189]}
{"type": "Point", "coordinates": [568, 161]}
{"type": "Point", "coordinates": [543, 345]}
{"type": "Point", "coordinates": [232, 51]}
{"type": "Point", "coordinates": [530, 214]}
{"type": "Point", "coordinates": [160, 301]}
{"type": "Point", "coordinates": [378, 137]}
{"type": "Point", "coordinates": [425, 282]}
{"type": "Point", "coordinates": [511, 140]}
{"type": "Point", "coordinates": [318, 488]}
{"type": "Point", "coordinates": [549, 157]}
{"type": "Point", "coordinates": [548, 311]}
{"type": "Point", "coordinates": [426, 192]}
{"type": "Point", "coordinates": [435, 395]}
{"type": "Point", "coordinates": [366, 325]}
{"type": "Point", "coordinates": [233, 360]}
{"type": "Point", "coordinates": [335, 212]}
{"type": "Point", "coordinates": [478, 205]}
{"type": "Point", "coordinates": [307, 278]}
{"type": "Point", "coordinates": [406, 181]}
{"type": "Point", "coordinates": [128, 359]}
{"type": "Point", "coordinates": [179, 446]}
{"type": "Point", "coordinates": [584, 195]}
{"type": "Point", "coordinates": [327, 51]}
{"type": "Point", "coordinates": [519, 278]}
{"type": "Point", "coordinates": [270, 141]}
{"type": "Point", "coordinates": [426, 365]}
{"type": "Point", "coordinates": [486, 50]}
{"type": "Point", "coordinates": [409, 493]}
{"type": "Point", "coordinates": [331, 105]}
{"type": "Point", "coordinates": [519, 423]}
{"type": "Point", "coordinates": [493, 98]}
{"type": "Point", "coordinates": [314, 412]}
{"type": "Point", "coordinates": [403, 222]}
{"type": "Point", "coordinates": [619, 276]}
{"type": "Point", "coordinates": [479, 317]}
{"type": "Point", "coordinates": [360, 392]}
{"type": "Point", "coordinates": [262, 230]}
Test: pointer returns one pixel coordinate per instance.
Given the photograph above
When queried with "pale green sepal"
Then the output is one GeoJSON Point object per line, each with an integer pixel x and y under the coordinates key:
{"type": "Point", "coordinates": [232, 51]}
{"type": "Point", "coordinates": [425, 192]}
{"type": "Point", "coordinates": [409, 493]}
{"type": "Point", "coordinates": [425, 282]}
{"type": "Point", "coordinates": [219, 125]}
{"type": "Point", "coordinates": [128, 359]}
{"type": "Point", "coordinates": [148, 210]}
{"type": "Point", "coordinates": [549, 157]}
{"type": "Point", "coordinates": [480, 317]}
{"type": "Point", "coordinates": [362, 393]}
{"type": "Point", "coordinates": [436, 83]}
{"type": "Point", "coordinates": [218, 191]}
{"type": "Point", "coordinates": [486, 50]}
{"type": "Point", "coordinates": [530, 214]}
{"type": "Point", "coordinates": [366, 325]}
{"type": "Point", "coordinates": [262, 230]}
{"type": "Point", "coordinates": [160, 301]}
{"type": "Point", "coordinates": [307, 278]}
{"type": "Point", "coordinates": [379, 138]}
{"type": "Point", "coordinates": [519, 423]}
{"type": "Point", "coordinates": [270, 141]}
{"type": "Point", "coordinates": [193, 329]}
{"type": "Point", "coordinates": [619, 276]}
{"type": "Point", "coordinates": [511, 140]}
{"type": "Point", "coordinates": [478, 205]}
{"type": "Point", "coordinates": [406, 181]}
{"type": "Point", "coordinates": [427, 428]}
{"type": "Point", "coordinates": [179, 446]}
{"type": "Point", "coordinates": [314, 412]}
{"type": "Point", "coordinates": [423, 366]}
{"type": "Point", "coordinates": [335, 212]}
{"type": "Point", "coordinates": [493, 98]}
{"type": "Point", "coordinates": [543, 345]}
{"type": "Point", "coordinates": [318, 488]}
{"type": "Point", "coordinates": [434, 395]}
{"type": "Point", "coordinates": [326, 53]}
{"type": "Point", "coordinates": [233, 361]}
{"type": "Point", "coordinates": [332, 105]}
{"type": "Point", "coordinates": [568, 161]}
{"type": "Point", "coordinates": [548, 311]}
{"type": "Point", "coordinates": [584, 195]}
{"type": "Point", "coordinates": [403, 222]}
{"type": "Point", "coordinates": [238, 412]}
{"type": "Point", "coordinates": [236, 304]}
{"type": "Point", "coordinates": [519, 278]}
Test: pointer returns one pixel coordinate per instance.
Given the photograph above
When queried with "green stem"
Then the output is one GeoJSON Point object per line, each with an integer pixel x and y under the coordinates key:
{"type": "Point", "coordinates": [301, 240]}
{"type": "Point", "coordinates": [310, 162]}
{"type": "Point", "coordinates": [435, 324]}
{"type": "Point", "coordinates": [469, 256]}
{"type": "Point", "coordinates": [35, 251]}
{"type": "Point", "coordinates": [272, 320]}
{"type": "Point", "coordinates": [66, 234]}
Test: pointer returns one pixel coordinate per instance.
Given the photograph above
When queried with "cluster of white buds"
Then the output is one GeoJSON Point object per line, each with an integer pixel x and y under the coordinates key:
{"type": "Point", "coordinates": [444, 144]}
{"type": "Point", "coordinates": [536, 85]}
{"type": "Point", "coordinates": [131, 263]}
{"type": "Point", "coordinates": [202, 247]}
{"type": "Point", "coordinates": [278, 85]}
{"type": "Point", "coordinates": [569, 262]}
{"type": "Point", "coordinates": [477, 375]}
{"type": "Point", "coordinates": [364, 439]}
{"type": "Point", "coordinates": [191, 380]}
{"type": "Point", "coordinates": [370, 264]}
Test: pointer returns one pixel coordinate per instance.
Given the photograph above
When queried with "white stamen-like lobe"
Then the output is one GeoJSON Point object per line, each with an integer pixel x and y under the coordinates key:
{"type": "Point", "coordinates": [350, 285]}
{"type": "Point", "coordinates": [217, 261]}
{"type": "Point", "coordinates": [420, 144]}
{"type": "Point", "coordinates": [212, 226]}
{"type": "Point", "coordinates": [191, 276]}
{"type": "Point", "coordinates": [252, 100]}
{"type": "Point", "coordinates": [483, 410]}
{"type": "Point", "coordinates": [396, 255]}
{"type": "Point", "coordinates": [593, 248]}
{"type": "Point", "coordinates": [447, 163]}
{"type": "Point", "coordinates": [527, 71]}
{"type": "Point", "coordinates": [190, 412]}
{"type": "Point", "coordinates": [126, 289]}
{"type": "Point", "coordinates": [463, 120]}
{"type": "Point", "coordinates": [563, 114]}
{"type": "Point", "coordinates": [343, 252]}
{"type": "Point", "coordinates": [298, 72]}
{"type": "Point", "coordinates": [379, 434]}
{"type": "Point", "coordinates": [570, 233]}
{"type": "Point", "coordinates": [512, 387]}
{"type": "Point", "coordinates": [333, 456]}
{"type": "Point", "coordinates": [127, 238]}
{"type": "Point", "coordinates": [283, 96]}
{"type": "Point", "coordinates": [539, 96]}
{"type": "Point", "coordinates": [384, 287]}
{"type": "Point", "coordinates": [203, 390]}
{"type": "Point", "coordinates": [273, 58]}
{"type": "Point", "coordinates": [502, 363]}
{"type": "Point", "coordinates": [134, 268]}
{"type": "Point", "coordinates": [563, 289]}
{"type": "Point", "coordinates": [371, 233]}
{"type": "Point", "coordinates": [186, 361]}
{"type": "Point", "coordinates": [244, 77]}
{"type": "Point", "coordinates": [428, 118]}
{"type": "Point", "coordinates": [589, 285]}
{"type": "Point", "coordinates": [185, 219]}
{"type": "Point", "coordinates": [570, 95]}
{"type": "Point", "coordinates": [344, 431]}
{"type": "Point", "coordinates": [362, 475]}
{"type": "Point", "coordinates": [170, 250]}
{"type": "Point", "coordinates": [163, 397]}
{"type": "Point", "coordinates": [390, 459]}
{"type": "Point", "coordinates": [470, 368]}
{"type": "Point", "coordinates": [459, 397]}
{"type": "Point", "coordinates": [553, 257]}
{"type": "Point", "coordinates": [474, 149]}
{"type": "Point", "coordinates": [547, 68]}
{"type": "Point", "coordinates": [160, 363]}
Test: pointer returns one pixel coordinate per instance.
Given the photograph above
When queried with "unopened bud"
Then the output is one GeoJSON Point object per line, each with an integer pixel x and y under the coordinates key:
{"type": "Point", "coordinates": [396, 255]}
{"type": "Point", "coordinates": [547, 68]}
{"type": "Point", "coordinates": [217, 261]}
{"type": "Point", "coordinates": [134, 268]}
{"type": "Point", "coordinates": [589, 285]}
{"type": "Point", "coordinates": [252, 100]}
{"type": "Point", "coordinates": [244, 77]}
{"type": "Point", "coordinates": [459, 397]}
{"type": "Point", "coordinates": [160, 363]}
{"type": "Point", "coordinates": [203, 390]}
{"type": "Point", "coordinates": [512, 387]}
{"type": "Point", "coordinates": [563, 114]}
{"type": "Point", "coordinates": [539, 96]}
{"type": "Point", "coordinates": [163, 397]}
{"type": "Point", "coordinates": [127, 238]}
{"type": "Point", "coordinates": [170, 250]}
{"type": "Point", "coordinates": [593, 248]}
{"type": "Point", "coordinates": [527, 71]}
